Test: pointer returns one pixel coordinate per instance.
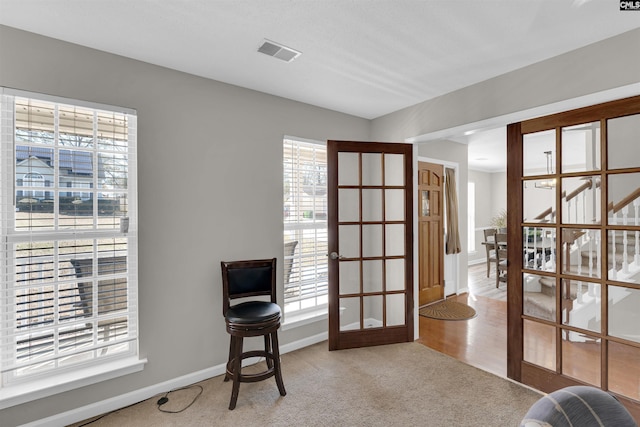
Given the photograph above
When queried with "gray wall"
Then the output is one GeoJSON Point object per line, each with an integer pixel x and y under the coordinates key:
{"type": "Point", "coordinates": [210, 189]}
{"type": "Point", "coordinates": [483, 211]}
{"type": "Point", "coordinates": [491, 198]}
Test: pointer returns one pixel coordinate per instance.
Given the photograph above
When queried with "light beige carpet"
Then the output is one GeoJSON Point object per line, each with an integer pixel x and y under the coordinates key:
{"type": "Point", "coordinates": [394, 385]}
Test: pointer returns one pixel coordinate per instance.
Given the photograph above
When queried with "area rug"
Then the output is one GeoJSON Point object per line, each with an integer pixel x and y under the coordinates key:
{"type": "Point", "coordinates": [448, 310]}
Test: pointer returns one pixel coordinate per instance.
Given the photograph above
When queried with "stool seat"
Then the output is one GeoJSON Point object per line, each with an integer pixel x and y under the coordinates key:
{"type": "Point", "coordinates": [253, 312]}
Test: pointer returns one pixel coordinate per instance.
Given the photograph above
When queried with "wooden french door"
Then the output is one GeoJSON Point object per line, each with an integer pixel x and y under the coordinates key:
{"type": "Point", "coordinates": [370, 243]}
{"type": "Point", "coordinates": [573, 181]}
{"type": "Point", "coordinates": [430, 232]}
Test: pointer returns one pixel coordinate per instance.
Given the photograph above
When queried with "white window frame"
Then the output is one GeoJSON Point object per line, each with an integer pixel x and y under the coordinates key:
{"type": "Point", "coordinates": [17, 387]}
{"type": "Point", "coordinates": [309, 269]}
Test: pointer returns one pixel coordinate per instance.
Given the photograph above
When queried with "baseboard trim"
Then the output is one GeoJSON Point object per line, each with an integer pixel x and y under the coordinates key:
{"type": "Point", "coordinates": [85, 412]}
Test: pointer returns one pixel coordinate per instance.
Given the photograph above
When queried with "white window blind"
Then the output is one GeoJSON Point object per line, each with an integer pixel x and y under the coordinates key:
{"type": "Point", "coordinates": [305, 223]}
{"type": "Point", "coordinates": [69, 239]}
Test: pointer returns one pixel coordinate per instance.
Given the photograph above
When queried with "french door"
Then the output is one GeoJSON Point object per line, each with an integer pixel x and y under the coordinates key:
{"type": "Point", "coordinates": [370, 243]}
{"type": "Point", "coordinates": [574, 250]}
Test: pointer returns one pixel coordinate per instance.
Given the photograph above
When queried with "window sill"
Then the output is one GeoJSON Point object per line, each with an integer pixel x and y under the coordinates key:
{"type": "Point", "coordinates": [300, 319]}
{"type": "Point", "coordinates": [17, 394]}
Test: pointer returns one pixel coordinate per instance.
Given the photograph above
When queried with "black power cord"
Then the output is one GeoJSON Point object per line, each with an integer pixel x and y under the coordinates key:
{"type": "Point", "coordinates": [164, 399]}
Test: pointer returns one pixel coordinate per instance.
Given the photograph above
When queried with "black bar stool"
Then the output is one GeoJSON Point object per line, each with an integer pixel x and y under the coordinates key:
{"type": "Point", "coordinates": [242, 279]}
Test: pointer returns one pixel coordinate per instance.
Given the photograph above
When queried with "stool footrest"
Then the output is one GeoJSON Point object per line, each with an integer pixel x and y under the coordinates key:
{"type": "Point", "coordinates": [251, 378]}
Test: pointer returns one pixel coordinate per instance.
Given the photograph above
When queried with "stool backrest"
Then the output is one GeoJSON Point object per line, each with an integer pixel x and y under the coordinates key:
{"type": "Point", "coordinates": [241, 279]}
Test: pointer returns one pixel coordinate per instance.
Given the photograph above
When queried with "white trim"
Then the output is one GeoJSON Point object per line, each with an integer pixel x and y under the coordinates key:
{"type": "Point", "coordinates": [462, 291]}
{"type": "Point", "coordinates": [304, 342]}
{"type": "Point", "coordinates": [544, 110]}
{"type": "Point", "coordinates": [445, 163]}
{"type": "Point", "coordinates": [62, 100]}
{"type": "Point", "coordinates": [416, 266]}
{"type": "Point", "coordinates": [295, 319]}
{"type": "Point", "coordinates": [21, 393]}
{"type": "Point", "coordinates": [121, 401]}
{"type": "Point", "coordinates": [307, 140]}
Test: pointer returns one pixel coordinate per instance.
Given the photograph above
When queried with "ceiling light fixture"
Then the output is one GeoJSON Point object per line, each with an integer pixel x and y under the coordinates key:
{"type": "Point", "coordinates": [548, 184]}
{"type": "Point", "coordinates": [278, 51]}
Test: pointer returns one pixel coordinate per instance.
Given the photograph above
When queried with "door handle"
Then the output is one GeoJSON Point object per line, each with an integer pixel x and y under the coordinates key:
{"type": "Point", "coordinates": [334, 255]}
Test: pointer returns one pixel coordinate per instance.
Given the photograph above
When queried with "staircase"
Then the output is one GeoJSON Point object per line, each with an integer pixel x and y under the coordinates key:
{"type": "Point", "coordinates": [582, 256]}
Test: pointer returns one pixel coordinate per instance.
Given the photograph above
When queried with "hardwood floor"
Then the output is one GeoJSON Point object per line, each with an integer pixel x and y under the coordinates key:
{"type": "Point", "coordinates": [479, 342]}
{"type": "Point", "coordinates": [482, 342]}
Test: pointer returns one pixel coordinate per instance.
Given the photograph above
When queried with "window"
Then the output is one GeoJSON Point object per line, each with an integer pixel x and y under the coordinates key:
{"type": "Point", "coordinates": [69, 240]}
{"type": "Point", "coordinates": [305, 222]}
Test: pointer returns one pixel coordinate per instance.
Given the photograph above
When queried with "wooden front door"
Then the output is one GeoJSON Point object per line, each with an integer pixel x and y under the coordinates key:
{"type": "Point", "coordinates": [430, 232]}
{"type": "Point", "coordinates": [370, 229]}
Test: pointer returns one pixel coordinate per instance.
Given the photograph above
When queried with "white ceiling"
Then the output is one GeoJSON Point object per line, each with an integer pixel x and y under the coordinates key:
{"type": "Point", "coordinates": [487, 149]}
{"type": "Point", "coordinates": [361, 57]}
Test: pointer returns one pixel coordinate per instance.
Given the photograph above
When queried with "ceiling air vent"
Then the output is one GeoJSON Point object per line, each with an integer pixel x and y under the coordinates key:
{"type": "Point", "coordinates": [278, 51]}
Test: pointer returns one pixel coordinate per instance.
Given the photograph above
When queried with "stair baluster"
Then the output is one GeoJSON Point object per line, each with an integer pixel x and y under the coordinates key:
{"type": "Point", "coordinates": [590, 234]}
{"type": "Point", "coordinates": [570, 210]}
{"type": "Point", "coordinates": [584, 209]}
{"type": "Point", "coordinates": [527, 262]}
{"type": "Point", "coordinates": [598, 253]}
{"type": "Point", "coordinates": [614, 267]}
{"type": "Point", "coordinates": [625, 261]}
{"type": "Point", "coordinates": [636, 256]}
{"type": "Point", "coordinates": [579, 293]}
{"type": "Point", "coordinates": [535, 251]}
{"type": "Point", "coordinates": [552, 258]}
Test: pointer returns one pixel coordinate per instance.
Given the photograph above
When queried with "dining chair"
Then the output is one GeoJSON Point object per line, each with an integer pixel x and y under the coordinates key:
{"type": "Point", "coordinates": [489, 245]}
{"type": "Point", "coordinates": [502, 261]}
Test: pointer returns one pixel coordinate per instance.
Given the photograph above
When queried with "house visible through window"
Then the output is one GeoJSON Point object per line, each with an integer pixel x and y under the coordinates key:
{"type": "Point", "coordinates": [69, 239]}
{"type": "Point", "coordinates": [305, 225]}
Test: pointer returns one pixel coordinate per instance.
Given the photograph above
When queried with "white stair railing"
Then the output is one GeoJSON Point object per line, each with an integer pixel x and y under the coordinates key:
{"type": "Point", "coordinates": [636, 256]}
{"type": "Point", "coordinates": [625, 262]}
